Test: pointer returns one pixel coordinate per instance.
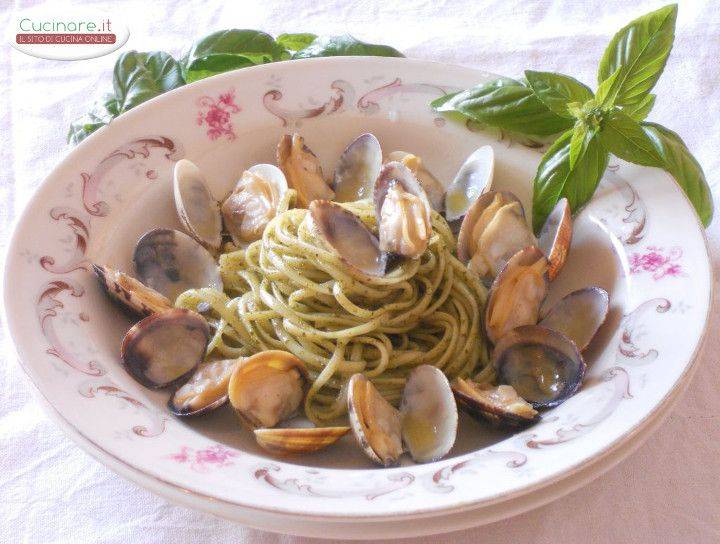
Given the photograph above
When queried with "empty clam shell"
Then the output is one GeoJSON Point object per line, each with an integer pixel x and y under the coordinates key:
{"type": "Point", "coordinates": [171, 262]}
{"type": "Point", "coordinates": [579, 315]}
{"type": "Point", "coordinates": [493, 230]}
{"type": "Point", "coordinates": [428, 414]}
{"type": "Point", "coordinates": [474, 178]}
{"type": "Point", "coordinates": [253, 202]}
{"type": "Point", "coordinates": [433, 188]}
{"type": "Point", "coordinates": [267, 388]}
{"type": "Point", "coordinates": [543, 366]}
{"type": "Point", "coordinates": [302, 170]}
{"type": "Point", "coordinates": [166, 347]}
{"type": "Point", "coordinates": [555, 237]}
{"type": "Point", "coordinates": [129, 292]}
{"type": "Point", "coordinates": [402, 211]}
{"type": "Point", "coordinates": [197, 209]}
{"type": "Point", "coordinates": [517, 293]}
{"type": "Point", "coordinates": [298, 440]}
{"type": "Point", "coordinates": [374, 422]}
{"type": "Point", "coordinates": [500, 405]}
{"type": "Point", "coordinates": [358, 169]}
{"type": "Point", "coordinates": [206, 389]}
{"type": "Point", "coordinates": [348, 236]}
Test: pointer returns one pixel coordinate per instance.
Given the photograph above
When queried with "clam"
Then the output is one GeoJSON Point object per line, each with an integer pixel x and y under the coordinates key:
{"type": "Point", "coordinates": [543, 366]}
{"type": "Point", "coordinates": [129, 292]}
{"type": "Point", "coordinates": [493, 230]}
{"type": "Point", "coordinates": [428, 415]}
{"type": "Point", "coordinates": [374, 421]}
{"type": "Point", "coordinates": [555, 237]}
{"type": "Point", "coordinates": [579, 315]}
{"type": "Point", "coordinates": [358, 169]}
{"type": "Point", "coordinates": [348, 236]}
{"type": "Point", "coordinates": [267, 388]}
{"type": "Point", "coordinates": [474, 178]}
{"type": "Point", "coordinates": [500, 405]}
{"type": "Point", "coordinates": [402, 211]}
{"type": "Point", "coordinates": [166, 347]}
{"type": "Point", "coordinates": [171, 262]}
{"type": "Point", "coordinates": [433, 188]}
{"type": "Point", "coordinates": [302, 170]}
{"type": "Point", "coordinates": [298, 440]}
{"type": "Point", "coordinates": [517, 293]}
{"type": "Point", "coordinates": [253, 202]}
{"type": "Point", "coordinates": [197, 209]}
{"type": "Point", "coordinates": [206, 389]}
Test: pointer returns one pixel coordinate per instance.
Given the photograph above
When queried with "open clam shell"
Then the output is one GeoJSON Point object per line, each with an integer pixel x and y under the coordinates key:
{"type": "Point", "coordinates": [433, 188]}
{"type": "Point", "coordinates": [165, 348]}
{"type": "Point", "coordinates": [197, 209]}
{"type": "Point", "coordinates": [493, 230]}
{"type": "Point", "coordinates": [348, 236]}
{"type": "Point", "coordinates": [428, 413]}
{"type": "Point", "coordinates": [544, 366]}
{"type": "Point", "coordinates": [474, 178]}
{"type": "Point", "coordinates": [253, 202]}
{"type": "Point", "coordinates": [556, 236]}
{"type": "Point", "coordinates": [302, 170]}
{"type": "Point", "coordinates": [129, 293]}
{"type": "Point", "coordinates": [374, 422]}
{"type": "Point", "coordinates": [298, 440]}
{"type": "Point", "coordinates": [517, 293]}
{"type": "Point", "coordinates": [171, 262]}
{"type": "Point", "coordinates": [206, 389]}
{"type": "Point", "coordinates": [500, 405]}
{"type": "Point", "coordinates": [402, 211]}
{"type": "Point", "coordinates": [579, 315]}
{"type": "Point", "coordinates": [267, 388]}
{"type": "Point", "coordinates": [357, 169]}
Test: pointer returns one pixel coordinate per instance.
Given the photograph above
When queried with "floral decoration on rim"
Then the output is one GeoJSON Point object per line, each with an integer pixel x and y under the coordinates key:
{"type": "Point", "coordinates": [658, 262]}
{"type": "Point", "coordinates": [215, 114]}
{"type": "Point", "coordinates": [206, 459]}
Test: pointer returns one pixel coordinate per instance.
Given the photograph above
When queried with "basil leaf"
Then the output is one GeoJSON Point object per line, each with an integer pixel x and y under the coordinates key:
{"type": "Point", "coordinates": [557, 90]}
{"type": "Point", "coordinates": [607, 91]}
{"type": "Point", "coordinates": [102, 113]}
{"type": "Point", "coordinates": [640, 50]}
{"type": "Point", "coordinates": [642, 109]}
{"type": "Point", "coordinates": [229, 50]}
{"type": "Point", "coordinates": [556, 179]}
{"type": "Point", "coordinates": [506, 104]}
{"type": "Point", "coordinates": [295, 42]}
{"type": "Point", "coordinates": [578, 141]}
{"type": "Point", "coordinates": [138, 77]}
{"type": "Point", "coordinates": [622, 136]}
{"type": "Point", "coordinates": [345, 45]}
{"type": "Point", "coordinates": [677, 160]}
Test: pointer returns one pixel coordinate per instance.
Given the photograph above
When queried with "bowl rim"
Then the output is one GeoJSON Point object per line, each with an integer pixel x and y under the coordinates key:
{"type": "Point", "coordinates": [458, 506]}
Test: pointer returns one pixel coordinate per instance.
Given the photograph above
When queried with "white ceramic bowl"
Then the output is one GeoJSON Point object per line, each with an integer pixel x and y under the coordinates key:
{"type": "Point", "coordinates": [638, 238]}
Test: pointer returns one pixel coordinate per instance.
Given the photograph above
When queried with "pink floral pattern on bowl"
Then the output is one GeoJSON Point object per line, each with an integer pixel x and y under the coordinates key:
{"type": "Point", "coordinates": [658, 262]}
{"type": "Point", "coordinates": [205, 460]}
{"type": "Point", "coordinates": [215, 114]}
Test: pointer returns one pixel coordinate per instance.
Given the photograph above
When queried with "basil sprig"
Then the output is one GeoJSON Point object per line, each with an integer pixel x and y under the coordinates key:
{"type": "Point", "coordinates": [138, 76]}
{"type": "Point", "coordinates": [592, 125]}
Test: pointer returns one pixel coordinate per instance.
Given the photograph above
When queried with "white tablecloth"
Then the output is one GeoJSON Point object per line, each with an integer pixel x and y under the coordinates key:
{"type": "Point", "coordinates": [668, 491]}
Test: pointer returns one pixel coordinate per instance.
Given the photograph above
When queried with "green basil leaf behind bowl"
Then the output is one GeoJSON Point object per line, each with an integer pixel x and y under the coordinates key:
{"type": "Point", "coordinates": [296, 42]}
{"type": "Point", "coordinates": [622, 136]}
{"type": "Point", "coordinates": [506, 104]}
{"type": "Point", "coordinates": [640, 50]}
{"type": "Point", "coordinates": [138, 77]}
{"type": "Point", "coordinates": [556, 179]}
{"type": "Point", "coordinates": [557, 90]}
{"type": "Point", "coordinates": [102, 113]}
{"type": "Point", "coordinates": [226, 50]}
{"type": "Point", "coordinates": [680, 164]}
{"type": "Point", "coordinates": [345, 45]}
